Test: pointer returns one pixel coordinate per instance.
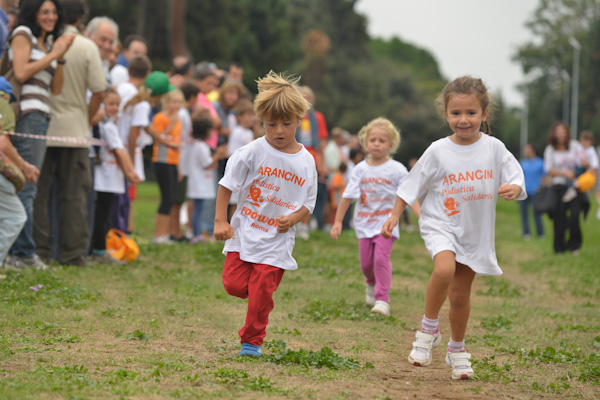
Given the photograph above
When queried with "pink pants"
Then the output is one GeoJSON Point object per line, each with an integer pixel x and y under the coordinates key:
{"type": "Point", "coordinates": [255, 282]}
{"type": "Point", "coordinates": [376, 265]}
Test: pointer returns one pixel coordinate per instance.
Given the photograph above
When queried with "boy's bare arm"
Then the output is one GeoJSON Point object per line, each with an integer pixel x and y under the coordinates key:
{"type": "Point", "coordinates": [285, 222]}
{"type": "Point", "coordinates": [222, 230]}
{"type": "Point", "coordinates": [134, 133]}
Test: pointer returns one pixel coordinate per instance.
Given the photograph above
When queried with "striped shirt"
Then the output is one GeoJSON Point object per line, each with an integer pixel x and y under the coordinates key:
{"type": "Point", "coordinates": [35, 92]}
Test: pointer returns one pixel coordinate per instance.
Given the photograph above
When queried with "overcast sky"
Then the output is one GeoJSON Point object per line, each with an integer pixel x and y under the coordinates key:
{"type": "Point", "coordinates": [475, 37]}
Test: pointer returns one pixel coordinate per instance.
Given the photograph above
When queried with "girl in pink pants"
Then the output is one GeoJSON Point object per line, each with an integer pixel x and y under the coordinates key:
{"type": "Point", "coordinates": [374, 183]}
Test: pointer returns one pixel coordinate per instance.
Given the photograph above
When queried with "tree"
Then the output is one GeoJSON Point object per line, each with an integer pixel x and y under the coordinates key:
{"type": "Point", "coordinates": [553, 24]}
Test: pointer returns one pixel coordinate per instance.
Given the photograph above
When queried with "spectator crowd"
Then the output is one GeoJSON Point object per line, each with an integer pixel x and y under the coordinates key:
{"type": "Point", "coordinates": [89, 104]}
{"type": "Point", "coordinates": [94, 103]}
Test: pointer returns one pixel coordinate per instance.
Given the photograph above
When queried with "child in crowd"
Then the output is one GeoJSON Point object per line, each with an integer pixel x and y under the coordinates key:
{"type": "Point", "coordinates": [533, 170]}
{"type": "Point", "coordinates": [336, 189]}
{"type": "Point", "coordinates": [374, 182]}
{"type": "Point", "coordinates": [132, 119]}
{"type": "Point", "coordinates": [240, 136]}
{"type": "Point", "coordinates": [276, 179]}
{"type": "Point", "coordinates": [201, 172]}
{"type": "Point", "coordinates": [166, 161]}
{"type": "Point", "coordinates": [112, 167]}
{"type": "Point", "coordinates": [461, 176]}
{"type": "Point", "coordinates": [586, 180]}
{"type": "Point", "coordinates": [190, 93]}
{"type": "Point", "coordinates": [208, 81]}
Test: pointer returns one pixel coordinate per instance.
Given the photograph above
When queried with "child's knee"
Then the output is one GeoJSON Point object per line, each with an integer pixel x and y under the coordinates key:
{"type": "Point", "coordinates": [458, 297]}
{"type": "Point", "coordinates": [236, 289]}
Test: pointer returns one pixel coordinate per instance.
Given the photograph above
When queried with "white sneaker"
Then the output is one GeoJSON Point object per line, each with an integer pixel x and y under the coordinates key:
{"type": "Point", "coordinates": [598, 213]}
{"type": "Point", "coordinates": [381, 307]}
{"type": "Point", "coordinates": [569, 195]}
{"type": "Point", "coordinates": [370, 295]}
{"type": "Point", "coordinates": [460, 364]}
{"type": "Point", "coordinates": [164, 239]}
{"type": "Point", "coordinates": [421, 353]}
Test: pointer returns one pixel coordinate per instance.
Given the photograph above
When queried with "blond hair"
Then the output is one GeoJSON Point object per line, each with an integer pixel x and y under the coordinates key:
{"type": "Point", "coordinates": [169, 95]}
{"type": "Point", "coordinates": [279, 98]}
{"type": "Point", "coordinates": [468, 85]}
{"type": "Point", "coordinates": [387, 126]}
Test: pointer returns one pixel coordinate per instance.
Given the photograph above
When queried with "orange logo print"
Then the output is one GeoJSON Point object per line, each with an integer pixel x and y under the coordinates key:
{"type": "Point", "coordinates": [363, 199]}
{"type": "Point", "coordinates": [451, 205]}
{"type": "Point", "coordinates": [255, 196]}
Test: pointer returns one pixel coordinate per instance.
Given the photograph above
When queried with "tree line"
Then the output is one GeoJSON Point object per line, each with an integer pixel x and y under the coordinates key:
{"type": "Point", "coordinates": [356, 77]}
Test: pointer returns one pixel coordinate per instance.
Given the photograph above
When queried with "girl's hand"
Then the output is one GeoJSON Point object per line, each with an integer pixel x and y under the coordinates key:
{"type": "Point", "coordinates": [570, 175]}
{"type": "Point", "coordinates": [132, 177]}
{"type": "Point", "coordinates": [388, 227]}
{"type": "Point", "coordinates": [284, 223]}
{"type": "Point", "coordinates": [336, 229]}
{"type": "Point", "coordinates": [509, 192]}
{"type": "Point", "coordinates": [223, 231]}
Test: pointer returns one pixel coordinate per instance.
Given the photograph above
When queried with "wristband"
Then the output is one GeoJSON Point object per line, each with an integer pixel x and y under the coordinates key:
{"type": "Point", "coordinates": [61, 62]}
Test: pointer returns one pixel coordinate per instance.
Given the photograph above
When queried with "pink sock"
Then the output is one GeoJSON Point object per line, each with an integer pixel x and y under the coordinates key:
{"type": "Point", "coordinates": [456, 346]}
{"type": "Point", "coordinates": [430, 325]}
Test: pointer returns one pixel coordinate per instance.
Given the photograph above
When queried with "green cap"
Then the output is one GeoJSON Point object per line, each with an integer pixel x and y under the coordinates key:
{"type": "Point", "coordinates": [157, 83]}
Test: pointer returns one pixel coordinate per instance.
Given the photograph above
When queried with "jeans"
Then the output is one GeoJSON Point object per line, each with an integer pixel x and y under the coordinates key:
{"type": "Point", "coordinates": [32, 151]}
{"type": "Point", "coordinates": [12, 216]}
{"type": "Point", "coordinates": [196, 221]}
{"type": "Point", "coordinates": [119, 218]}
{"type": "Point", "coordinates": [537, 218]}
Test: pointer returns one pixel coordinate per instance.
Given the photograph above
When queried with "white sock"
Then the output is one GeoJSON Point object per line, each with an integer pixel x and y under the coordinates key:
{"type": "Point", "coordinates": [430, 325]}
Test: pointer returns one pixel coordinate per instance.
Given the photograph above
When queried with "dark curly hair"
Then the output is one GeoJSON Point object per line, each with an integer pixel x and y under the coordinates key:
{"type": "Point", "coordinates": [27, 16]}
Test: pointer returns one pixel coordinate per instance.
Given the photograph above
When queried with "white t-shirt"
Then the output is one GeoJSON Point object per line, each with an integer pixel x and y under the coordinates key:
{"type": "Point", "coordinates": [375, 187]}
{"type": "Point", "coordinates": [239, 137]}
{"type": "Point", "coordinates": [270, 184]}
{"type": "Point", "coordinates": [186, 140]}
{"type": "Point", "coordinates": [563, 160]}
{"type": "Point", "coordinates": [460, 185]}
{"type": "Point", "coordinates": [591, 157]}
{"type": "Point", "coordinates": [138, 115]}
{"type": "Point", "coordinates": [108, 176]}
{"type": "Point", "coordinates": [118, 75]}
{"type": "Point", "coordinates": [201, 181]}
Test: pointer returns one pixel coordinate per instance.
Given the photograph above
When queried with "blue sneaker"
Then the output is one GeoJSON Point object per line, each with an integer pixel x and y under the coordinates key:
{"type": "Point", "coordinates": [249, 350]}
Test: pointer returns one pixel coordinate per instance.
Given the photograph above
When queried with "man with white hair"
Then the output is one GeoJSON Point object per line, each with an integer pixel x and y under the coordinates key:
{"type": "Point", "coordinates": [105, 33]}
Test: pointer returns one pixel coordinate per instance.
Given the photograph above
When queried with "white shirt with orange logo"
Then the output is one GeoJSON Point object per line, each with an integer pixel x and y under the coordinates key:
{"type": "Point", "coordinates": [460, 186]}
{"type": "Point", "coordinates": [270, 184]}
{"type": "Point", "coordinates": [201, 178]}
{"type": "Point", "coordinates": [375, 189]}
{"type": "Point", "coordinates": [108, 177]}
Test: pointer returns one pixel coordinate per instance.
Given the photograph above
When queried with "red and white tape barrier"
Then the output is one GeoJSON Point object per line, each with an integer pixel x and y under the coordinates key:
{"type": "Point", "coordinates": [63, 139]}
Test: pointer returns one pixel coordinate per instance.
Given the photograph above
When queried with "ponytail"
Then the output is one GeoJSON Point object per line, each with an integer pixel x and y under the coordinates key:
{"type": "Point", "coordinates": [142, 95]}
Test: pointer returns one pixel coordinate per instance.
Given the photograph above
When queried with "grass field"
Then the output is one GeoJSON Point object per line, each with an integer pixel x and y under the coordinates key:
{"type": "Point", "coordinates": [163, 326]}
